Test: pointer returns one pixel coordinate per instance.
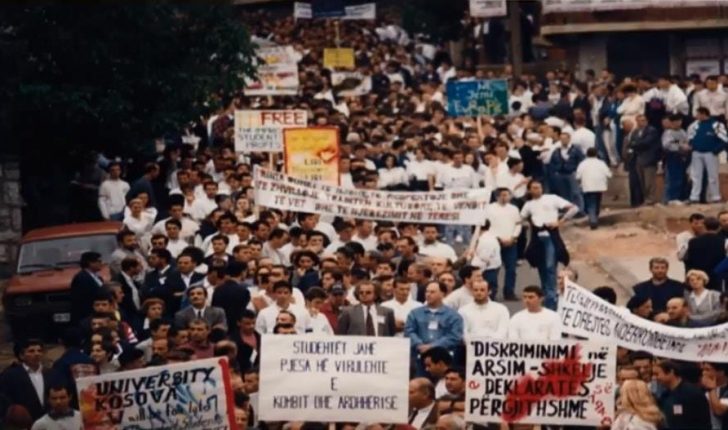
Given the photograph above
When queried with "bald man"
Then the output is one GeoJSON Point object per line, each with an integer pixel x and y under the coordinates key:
{"type": "Point", "coordinates": [450, 422]}
{"type": "Point", "coordinates": [678, 314]}
{"type": "Point", "coordinates": [422, 403]}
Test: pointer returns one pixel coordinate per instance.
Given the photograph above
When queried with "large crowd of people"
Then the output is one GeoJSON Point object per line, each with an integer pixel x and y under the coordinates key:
{"type": "Point", "coordinates": [202, 271]}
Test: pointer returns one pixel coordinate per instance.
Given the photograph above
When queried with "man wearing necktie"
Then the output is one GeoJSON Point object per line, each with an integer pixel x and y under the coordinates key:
{"type": "Point", "coordinates": [84, 286]}
{"type": "Point", "coordinates": [198, 309]}
{"type": "Point", "coordinates": [367, 318]}
{"type": "Point", "coordinates": [422, 401]}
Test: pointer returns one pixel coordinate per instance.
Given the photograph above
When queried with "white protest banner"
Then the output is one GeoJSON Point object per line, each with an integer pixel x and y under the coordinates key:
{"type": "Point", "coordinates": [366, 11]}
{"type": "Point", "coordinates": [277, 73]}
{"type": "Point", "coordinates": [459, 207]}
{"type": "Point", "coordinates": [487, 8]}
{"type": "Point", "coordinates": [350, 84]}
{"type": "Point", "coordinates": [530, 382]}
{"type": "Point", "coordinates": [586, 315]}
{"type": "Point", "coordinates": [262, 130]}
{"type": "Point", "coordinates": [334, 378]}
{"type": "Point", "coordinates": [302, 10]}
{"type": "Point", "coordinates": [192, 395]}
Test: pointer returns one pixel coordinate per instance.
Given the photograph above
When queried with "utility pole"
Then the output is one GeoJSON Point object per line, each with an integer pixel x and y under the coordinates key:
{"type": "Point", "coordinates": [514, 24]}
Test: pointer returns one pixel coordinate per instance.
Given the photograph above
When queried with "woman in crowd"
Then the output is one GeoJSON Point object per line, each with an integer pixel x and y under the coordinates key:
{"type": "Point", "coordinates": [637, 408]}
{"type": "Point", "coordinates": [704, 304]}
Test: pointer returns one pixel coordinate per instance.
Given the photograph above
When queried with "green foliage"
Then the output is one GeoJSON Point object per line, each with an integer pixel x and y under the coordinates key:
{"type": "Point", "coordinates": [114, 76]}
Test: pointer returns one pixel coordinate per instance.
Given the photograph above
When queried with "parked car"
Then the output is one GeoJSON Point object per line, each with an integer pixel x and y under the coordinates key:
{"type": "Point", "coordinates": [37, 299]}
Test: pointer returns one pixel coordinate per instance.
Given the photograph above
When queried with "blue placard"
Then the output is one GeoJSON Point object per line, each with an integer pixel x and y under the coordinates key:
{"type": "Point", "coordinates": [474, 98]}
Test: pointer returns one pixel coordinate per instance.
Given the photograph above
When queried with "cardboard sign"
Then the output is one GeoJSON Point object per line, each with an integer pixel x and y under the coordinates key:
{"type": "Point", "coordinates": [262, 130]}
{"type": "Point", "coordinates": [312, 153]}
{"type": "Point", "coordinates": [192, 395]}
{"type": "Point", "coordinates": [474, 98]}
{"type": "Point", "coordinates": [334, 379]}
{"type": "Point", "coordinates": [339, 58]}
{"type": "Point", "coordinates": [460, 207]}
{"type": "Point", "coordinates": [586, 315]}
{"type": "Point", "coordinates": [529, 382]}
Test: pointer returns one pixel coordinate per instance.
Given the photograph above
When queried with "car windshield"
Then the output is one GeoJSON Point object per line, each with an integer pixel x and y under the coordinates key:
{"type": "Point", "coordinates": [63, 252]}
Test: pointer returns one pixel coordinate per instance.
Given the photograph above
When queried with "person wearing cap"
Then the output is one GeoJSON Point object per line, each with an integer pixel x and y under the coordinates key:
{"type": "Point", "coordinates": [334, 304]}
{"type": "Point", "coordinates": [198, 309]}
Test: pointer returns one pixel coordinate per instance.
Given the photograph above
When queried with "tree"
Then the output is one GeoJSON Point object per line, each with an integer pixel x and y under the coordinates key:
{"type": "Point", "coordinates": [113, 77]}
{"type": "Point", "coordinates": [440, 20]}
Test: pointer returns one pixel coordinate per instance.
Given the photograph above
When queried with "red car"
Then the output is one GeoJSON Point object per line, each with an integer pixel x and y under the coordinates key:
{"type": "Point", "coordinates": [37, 299]}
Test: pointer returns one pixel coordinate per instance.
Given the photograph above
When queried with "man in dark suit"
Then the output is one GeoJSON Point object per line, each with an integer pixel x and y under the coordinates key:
{"type": "Point", "coordinates": [198, 309]}
{"type": "Point", "coordinates": [131, 268]}
{"type": "Point", "coordinates": [231, 296]}
{"type": "Point", "coordinates": [84, 285]}
{"type": "Point", "coordinates": [367, 318]}
{"type": "Point", "coordinates": [162, 282]}
{"type": "Point", "coordinates": [186, 276]}
{"type": "Point", "coordinates": [423, 410]}
{"type": "Point", "coordinates": [706, 251]}
{"type": "Point", "coordinates": [248, 341]}
{"type": "Point", "coordinates": [27, 383]}
{"type": "Point", "coordinates": [645, 145]}
{"type": "Point", "coordinates": [683, 404]}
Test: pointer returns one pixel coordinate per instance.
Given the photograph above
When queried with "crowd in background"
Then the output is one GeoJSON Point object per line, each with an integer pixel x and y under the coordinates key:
{"type": "Point", "coordinates": [201, 271]}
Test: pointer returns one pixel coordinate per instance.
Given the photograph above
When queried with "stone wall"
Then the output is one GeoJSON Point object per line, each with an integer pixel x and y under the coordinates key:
{"type": "Point", "coordinates": [11, 223]}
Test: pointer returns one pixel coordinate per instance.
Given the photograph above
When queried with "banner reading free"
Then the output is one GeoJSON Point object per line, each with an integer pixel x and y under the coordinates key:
{"type": "Point", "coordinates": [262, 130]}
{"type": "Point", "coordinates": [334, 379]}
{"type": "Point", "coordinates": [530, 382]}
{"type": "Point", "coordinates": [192, 395]}
{"type": "Point", "coordinates": [312, 153]}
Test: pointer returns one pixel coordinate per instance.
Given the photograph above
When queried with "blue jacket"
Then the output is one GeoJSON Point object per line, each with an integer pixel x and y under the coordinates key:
{"type": "Point", "coordinates": [707, 136]}
{"type": "Point", "coordinates": [566, 166]}
{"type": "Point", "coordinates": [441, 327]}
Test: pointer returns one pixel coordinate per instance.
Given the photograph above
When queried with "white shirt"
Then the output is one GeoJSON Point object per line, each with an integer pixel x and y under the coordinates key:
{"type": "Point", "coordinates": [487, 252]}
{"type": "Point", "coordinates": [320, 325]}
{"type": "Point", "coordinates": [542, 325]}
{"type": "Point", "coordinates": [421, 170]}
{"type": "Point", "coordinates": [202, 207]}
{"type": "Point", "coordinates": [112, 197]}
{"type": "Point", "coordinates": [594, 175]}
{"type": "Point", "coordinates": [682, 240]}
{"type": "Point", "coordinates": [327, 229]}
{"type": "Point", "coordinates": [266, 321]}
{"type": "Point", "coordinates": [505, 220]}
{"type": "Point", "coordinates": [490, 319]}
{"type": "Point", "coordinates": [451, 177]}
{"type": "Point", "coordinates": [369, 243]}
{"type": "Point", "coordinates": [440, 389]}
{"type": "Point", "coordinates": [189, 228]}
{"type": "Point", "coordinates": [545, 209]}
{"type": "Point", "coordinates": [233, 241]}
{"type": "Point", "coordinates": [391, 177]}
{"type": "Point", "coordinates": [459, 298]}
{"type": "Point", "coordinates": [419, 420]}
{"type": "Point", "coordinates": [584, 139]}
{"type": "Point", "coordinates": [66, 423]}
{"type": "Point", "coordinates": [36, 378]}
{"type": "Point", "coordinates": [515, 182]}
{"type": "Point", "coordinates": [498, 177]}
{"type": "Point", "coordinates": [175, 247]}
{"type": "Point", "coordinates": [401, 310]}
{"type": "Point", "coordinates": [140, 226]}
{"type": "Point", "coordinates": [438, 249]}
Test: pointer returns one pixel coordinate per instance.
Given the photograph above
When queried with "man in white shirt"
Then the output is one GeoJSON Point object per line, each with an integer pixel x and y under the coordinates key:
{"type": "Point", "coordinates": [464, 295]}
{"type": "Point", "coordinates": [458, 176]}
{"type": "Point", "coordinates": [543, 213]}
{"type": "Point", "coordinates": [484, 317]}
{"type": "Point", "coordinates": [431, 247]}
{"type": "Point", "coordinates": [505, 225]}
{"type": "Point", "coordinates": [712, 98]}
{"type": "Point", "coordinates": [402, 304]}
{"type": "Point", "coordinates": [266, 320]}
{"type": "Point", "coordinates": [112, 194]}
{"type": "Point", "coordinates": [697, 227]}
{"type": "Point", "coordinates": [422, 403]}
{"type": "Point", "coordinates": [487, 257]}
{"type": "Point", "coordinates": [437, 360]}
{"type": "Point", "coordinates": [203, 205]}
{"type": "Point", "coordinates": [593, 174]}
{"type": "Point", "coordinates": [365, 235]}
{"type": "Point", "coordinates": [582, 137]}
{"type": "Point", "coordinates": [534, 322]}
{"type": "Point", "coordinates": [175, 245]}
{"type": "Point", "coordinates": [176, 211]}
{"type": "Point", "coordinates": [60, 416]}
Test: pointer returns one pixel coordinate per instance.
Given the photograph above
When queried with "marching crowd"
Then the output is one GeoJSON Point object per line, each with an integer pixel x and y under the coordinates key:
{"type": "Point", "coordinates": [201, 271]}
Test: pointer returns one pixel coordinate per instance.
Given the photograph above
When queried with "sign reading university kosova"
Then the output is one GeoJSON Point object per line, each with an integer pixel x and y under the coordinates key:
{"type": "Point", "coordinates": [334, 379]}
{"type": "Point", "coordinates": [474, 98]}
{"type": "Point", "coordinates": [195, 395]}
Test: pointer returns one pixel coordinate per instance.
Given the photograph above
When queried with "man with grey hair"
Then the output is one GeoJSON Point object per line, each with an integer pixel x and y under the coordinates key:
{"type": "Point", "coordinates": [450, 422]}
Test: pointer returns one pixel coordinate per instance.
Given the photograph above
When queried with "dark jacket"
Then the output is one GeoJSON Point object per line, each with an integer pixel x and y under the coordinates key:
{"type": "Point", "coordinates": [352, 321]}
{"type": "Point", "coordinates": [566, 166]}
{"type": "Point", "coordinates": [164, 286]}
{"type": "Point", "coordinates": [704, 253]}
{"type": "Point", "coordinates": [534, 249]}
{"type": "Point", "coordinates": [127, 305]}
{"type": "Point", "coordinates": [15, 384]}
{"type": "Point", "coordinates": [246, 360]}
{"type": "Point", "coordinates": [233, 298]}
{"type": "Point", "coordinates": [685, 408]}
{"type": "Point", "coordinates": [646, 146]}
{"type": "Point", "coordinates": [659, 294]}
{"type": "Point", "coordinates": [83, 290]}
